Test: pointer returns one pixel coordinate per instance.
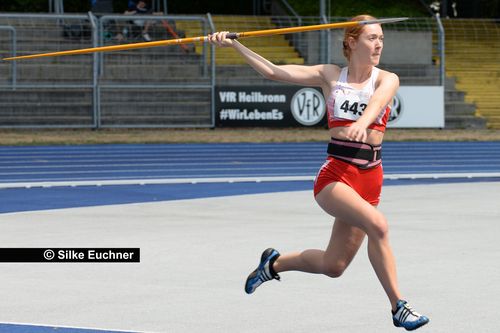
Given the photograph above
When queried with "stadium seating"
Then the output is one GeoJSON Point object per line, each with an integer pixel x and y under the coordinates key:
{"type": "Point", "coordinates": [275, 48]}
{"type": "Point", "coordinates": [474, 43]}
{"type": "Point", "coordinates": [472, 58]}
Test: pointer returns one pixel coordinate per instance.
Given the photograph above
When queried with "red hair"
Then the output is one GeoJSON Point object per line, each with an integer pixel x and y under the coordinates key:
{"type": "Point", "coordinates": [354, 32]}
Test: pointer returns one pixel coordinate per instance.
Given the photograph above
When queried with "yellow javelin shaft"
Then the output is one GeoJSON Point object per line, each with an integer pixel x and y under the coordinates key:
{"type": "Point", "coordinates": [234, 35]}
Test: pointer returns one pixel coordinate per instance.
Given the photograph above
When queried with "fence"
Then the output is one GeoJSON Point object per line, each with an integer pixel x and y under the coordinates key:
{"type": "Point", "coordinates": [169, 86]}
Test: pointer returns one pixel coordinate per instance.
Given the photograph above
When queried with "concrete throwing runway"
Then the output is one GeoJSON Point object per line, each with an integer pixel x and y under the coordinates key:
{"type": "Point", "coordinates": [196, 254]}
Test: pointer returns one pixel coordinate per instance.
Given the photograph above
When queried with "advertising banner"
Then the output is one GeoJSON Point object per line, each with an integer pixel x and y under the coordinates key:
{"type": "Point", "coordinates": [275, 106]}
{"type": "Point", "coordinates": [295, 106]}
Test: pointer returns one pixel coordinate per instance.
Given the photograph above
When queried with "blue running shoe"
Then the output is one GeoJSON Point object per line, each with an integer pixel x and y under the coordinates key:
{"type": "Point", "coordinates": [264, 272]}
{"type": "Point", "coordinates": [406, 317]}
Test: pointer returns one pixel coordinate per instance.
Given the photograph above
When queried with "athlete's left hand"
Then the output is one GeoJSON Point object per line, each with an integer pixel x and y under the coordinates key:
{"type": "Point", "coordinates": [356, 132]}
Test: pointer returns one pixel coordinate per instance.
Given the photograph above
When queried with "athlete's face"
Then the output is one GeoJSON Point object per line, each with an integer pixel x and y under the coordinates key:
{"type": "Point", "coordinates": [368, 47]}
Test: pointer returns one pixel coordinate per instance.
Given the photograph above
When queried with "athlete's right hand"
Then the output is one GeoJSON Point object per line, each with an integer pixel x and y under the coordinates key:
{"type": "Point", "coordinates": [219, 39]}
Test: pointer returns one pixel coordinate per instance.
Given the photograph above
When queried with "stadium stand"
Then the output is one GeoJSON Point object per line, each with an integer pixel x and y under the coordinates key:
{"type": "Point", "coordinates": [168, 85]}
{"type": "Point", "coordinates": [472, 59]}
{"type": "Point", "coordinates": [275, 48]}
{"type": "Point", "coordinates": [59, 91]}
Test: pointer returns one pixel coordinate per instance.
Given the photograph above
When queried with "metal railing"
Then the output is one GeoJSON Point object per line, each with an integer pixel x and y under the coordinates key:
{"type": "Point", "coordinates": [441, 47]}
{"type": "Point", "coordinates": [212, 68]}
{"type": "Point", "coordinates": [160, 6]}
{"type": "Point", "coordinates": [154, 87]}
{"type": "Point", "coordinates": [49, 92]}
{"type": "Point", "coordinates": [56, 6]}
{"type": "Point", "coordinates": [96, 96]}
{"type": "Point", "coordinates": [13, 48]}
{"type": "Point", "coordinates": [174, 75]}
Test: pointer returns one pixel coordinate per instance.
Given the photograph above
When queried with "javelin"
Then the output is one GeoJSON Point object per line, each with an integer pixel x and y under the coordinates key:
{"type": "Point", "coordinates": [231, 35]}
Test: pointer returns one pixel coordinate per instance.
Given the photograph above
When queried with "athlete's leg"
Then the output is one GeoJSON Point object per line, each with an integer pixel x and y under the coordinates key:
{"type": "Point", "coordinates": [344, 243]}
{"type": "Point", "coordinates": [340, 200]}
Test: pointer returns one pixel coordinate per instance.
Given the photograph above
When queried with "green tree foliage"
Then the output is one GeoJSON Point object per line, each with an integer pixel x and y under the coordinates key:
{"type": "Point", "coordinates": [349, 8]}
{"type": "Point", "coordinates": [345, 8]}
{"type": "Point", "coordinates": [34, 6]}
{"type": "Point", "coordinates": [24, 6]}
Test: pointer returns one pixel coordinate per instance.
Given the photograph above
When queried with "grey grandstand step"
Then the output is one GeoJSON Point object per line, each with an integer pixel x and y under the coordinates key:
{"type": "Point", "coordinates": [199, 116]}
{"type": "Point", "coordinates": [450, 82]}
{"type": "Point", "coordinates": [156, 122]}
{"type": "Point", "coordinates": [471, 122]}
{"type": "Point", "coordinates": [19, 116]}
{"type": "Point", "coordinates": [128, 56]}
{"type": "Point", "coordinates": [45, 96]}
{"type": "Point", "coordinates": [33, 46]}
{"type": "Point", "coordinates": [141, 60]}
{"type": "Point", "coordinates": [73, 72]}
{"type": "Point", "coordinates": [158, 56]}
{"type": "Point", "coordinates": [34, 107]}
{"type": "Point", "coordinates": [112, 73]}
{"type": "Point", "coordinates": [411, 70]}
{"type": "Point", "coordinates": [152, 56]}
{"type": "Point", "coordinates": [127, 97]}
{"type": "Point", "coordinates": [401, 70]}
{"type": "Point", "coordinates": [152, 72]}
{"type": "Point", "coordinates": [419, 81]}
{"type": "Point", "coordinates": [155, 108]}
{"type": "Point", "coordinates": [137, 118]}
{"type": "Point", "coordinates": [245, 81]}
{"type": "Point", "coordinates": [52, 110]}
{"type": "Point", "coordinates": [259, 80]}
{"type": "Point", "coordinates": [409, 75]}
{"type": "Point", "coordinates": [47, 121]}
{"type": "Point", "coordinates": [454, 96]}
{"type": "Point", "coordinates": [39, 72]}
{"type": "Point", "coordinates": [459, 108]}
{"type": "Point", "coordinates": [71, 31]}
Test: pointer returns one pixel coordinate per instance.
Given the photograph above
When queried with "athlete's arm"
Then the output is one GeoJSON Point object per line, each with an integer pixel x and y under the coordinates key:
{"type": "Point", "coordinates": [383, 94]}
{"type": "Point", "coordinates": [296, 74]}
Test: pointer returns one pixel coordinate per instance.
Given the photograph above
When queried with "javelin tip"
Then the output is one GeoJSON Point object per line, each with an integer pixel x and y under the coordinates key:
{"type": "Point", "coordinates": [387, 20]}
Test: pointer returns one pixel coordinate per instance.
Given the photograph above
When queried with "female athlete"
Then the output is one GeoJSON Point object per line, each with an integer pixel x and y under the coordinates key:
{"type": "Point", "coordinates": [349, 183]}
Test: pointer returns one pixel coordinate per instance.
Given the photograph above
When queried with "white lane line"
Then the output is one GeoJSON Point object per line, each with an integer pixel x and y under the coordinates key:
{"type": "Point", "coordinates": [167, 171]}
{"type": "Point", "coordinates": [55, 327]}
{"type": "Point", "coordinates": [224, 167]}
{"type": "Point", "coordinates": [139, 165]}
{"type": "Point", "coordinates": [155, 181]}
{"type": "Point", "coordinates": [235, 180]}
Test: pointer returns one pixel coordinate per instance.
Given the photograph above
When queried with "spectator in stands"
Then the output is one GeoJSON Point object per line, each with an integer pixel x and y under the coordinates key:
{"type": "Point", "coordinates": [349, 183]}
{"type": "Point", "coordinates": [138, 7]}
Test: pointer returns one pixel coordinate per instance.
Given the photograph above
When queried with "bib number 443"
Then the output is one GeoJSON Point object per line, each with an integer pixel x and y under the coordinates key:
{"type": "Point", "coordinates": [355, 108]}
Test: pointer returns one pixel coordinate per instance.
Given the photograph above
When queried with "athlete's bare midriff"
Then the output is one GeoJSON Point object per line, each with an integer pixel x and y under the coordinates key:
{"type": "Point", "coordinates": [374, 137]}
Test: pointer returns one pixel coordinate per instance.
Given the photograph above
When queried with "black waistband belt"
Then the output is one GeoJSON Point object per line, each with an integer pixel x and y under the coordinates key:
{"type": "Point", "coordinates": [360, 154]}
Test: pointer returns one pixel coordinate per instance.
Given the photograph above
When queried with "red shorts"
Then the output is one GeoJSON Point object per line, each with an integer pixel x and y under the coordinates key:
{"type": "Point", "coordinates": [366, 182]}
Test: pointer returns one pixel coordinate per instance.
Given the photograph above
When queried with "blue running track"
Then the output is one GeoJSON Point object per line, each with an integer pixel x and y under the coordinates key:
{"type": "Point", "coordinates": [47, 177]}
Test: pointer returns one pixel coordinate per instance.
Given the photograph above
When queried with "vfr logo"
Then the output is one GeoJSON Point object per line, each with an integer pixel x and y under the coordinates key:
{"type": "Point", "coordinates": [396, 108]}
{"type": "Point", "coordinates": [308, 106]}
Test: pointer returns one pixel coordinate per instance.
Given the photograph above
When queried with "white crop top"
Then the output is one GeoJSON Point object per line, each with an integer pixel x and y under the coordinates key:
{"type": "Point", "coordinates": [346, 103]}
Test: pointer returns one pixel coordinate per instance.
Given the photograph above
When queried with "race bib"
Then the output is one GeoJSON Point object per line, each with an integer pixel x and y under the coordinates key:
{"type": "Point", "coordinates": [350, 104]}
